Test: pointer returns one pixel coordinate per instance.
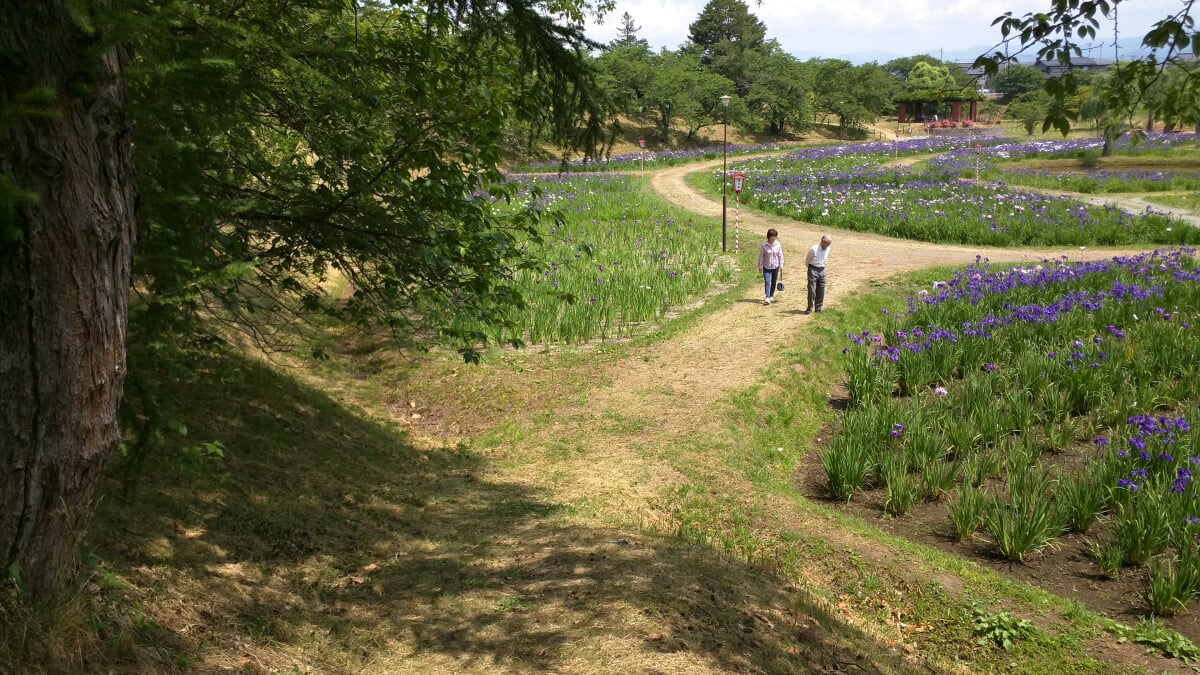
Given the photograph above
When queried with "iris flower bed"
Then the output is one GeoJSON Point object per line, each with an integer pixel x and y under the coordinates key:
{"type": "Point", "coordinates": [991, 160]}
{"type": "Point", "coordinates": [1039, 401]}
{"type": "Point", "coordinates": [617, 259]}
{"type": "Point", "coordinates": [1102, 181]}
{"type": "Point", "coordinates": [1155, 144]}
{"type": "Point", "coordinates": [852, 188]}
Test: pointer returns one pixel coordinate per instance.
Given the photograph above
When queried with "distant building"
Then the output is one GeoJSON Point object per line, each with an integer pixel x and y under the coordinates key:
{"type": "Point", "coordinates": [1077, 63]}
{"type": "Point", "coordinates": [982, 83]}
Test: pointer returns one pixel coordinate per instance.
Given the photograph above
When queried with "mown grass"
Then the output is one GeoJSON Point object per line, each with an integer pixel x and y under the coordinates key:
{"type": "Point", "coordinates": [324, 542]}
{"type": "Point", "coordinates": [327, 539]}
{"type": "Point", "coordinates": [1190, 201]}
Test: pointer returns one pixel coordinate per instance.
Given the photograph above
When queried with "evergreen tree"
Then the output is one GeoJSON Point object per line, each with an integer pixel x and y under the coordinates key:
{"type": "Point", "coordinates": [727, 21]}
{"type": "Point", "coordinates": [726, 34]}
{"type": "Point", "coordinates": [273, 145]}
{"type": "Point", "coordinates": [627, 34]}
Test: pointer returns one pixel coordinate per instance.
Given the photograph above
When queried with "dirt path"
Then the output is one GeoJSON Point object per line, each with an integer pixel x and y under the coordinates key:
{"type": "Point", "coordinates": [725, 351]}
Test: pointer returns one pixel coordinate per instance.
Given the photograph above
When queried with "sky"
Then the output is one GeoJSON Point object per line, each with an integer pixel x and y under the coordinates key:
{"type": "Point", "coordinates": [864, 30]}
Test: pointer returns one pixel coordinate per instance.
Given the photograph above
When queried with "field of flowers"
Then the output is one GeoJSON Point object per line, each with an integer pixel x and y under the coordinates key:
{"type": "Point", "coordinates": [1036, 402]}
{"type": "Point", "coordinates": [619, 258]}
{"type": "Point", "coordinates": [854, 188]}
{"type": "Point", "coordinates": [649, 159]}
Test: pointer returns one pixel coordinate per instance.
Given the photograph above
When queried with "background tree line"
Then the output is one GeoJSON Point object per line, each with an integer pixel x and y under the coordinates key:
{"type": "Point", "coordinates": [728, 52]}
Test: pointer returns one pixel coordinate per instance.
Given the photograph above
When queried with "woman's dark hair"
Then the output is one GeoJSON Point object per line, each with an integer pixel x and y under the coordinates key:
{"type": "Point", "coordinates": [772, 233]}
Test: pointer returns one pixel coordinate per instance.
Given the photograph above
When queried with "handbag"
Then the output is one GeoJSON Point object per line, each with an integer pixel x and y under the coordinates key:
{"type": "Point", "coordinates": [779, 286]}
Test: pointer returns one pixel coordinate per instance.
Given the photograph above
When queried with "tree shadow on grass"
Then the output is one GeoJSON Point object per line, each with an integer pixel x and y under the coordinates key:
{"type": "Point", "coordinates": [323, 542]}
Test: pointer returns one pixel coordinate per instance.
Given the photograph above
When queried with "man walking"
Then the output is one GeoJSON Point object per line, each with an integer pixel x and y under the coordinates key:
{"type": "Point", "coordinates": [818, 257]}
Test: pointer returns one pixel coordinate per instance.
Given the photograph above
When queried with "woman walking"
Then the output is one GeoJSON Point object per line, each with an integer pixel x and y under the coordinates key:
{"type": "Point", "coordinates": [770, 264]}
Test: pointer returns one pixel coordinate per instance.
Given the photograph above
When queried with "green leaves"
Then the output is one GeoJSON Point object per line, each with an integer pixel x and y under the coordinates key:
{"type": "Point", "coordinates": [1055, 37]}
{"type": "Point", "coordinates": [1000, 629]}
{"type": "Point", "coordinates": [307, 160]}
{"type": "Point", "coordinates": [1160, 638]}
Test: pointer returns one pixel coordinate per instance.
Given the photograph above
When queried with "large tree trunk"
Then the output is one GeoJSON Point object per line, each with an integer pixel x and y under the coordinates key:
{"type": "Point", "coordinates": [65, 261]}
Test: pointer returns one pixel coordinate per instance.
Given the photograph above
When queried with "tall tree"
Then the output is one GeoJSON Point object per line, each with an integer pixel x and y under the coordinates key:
{"type": "Point", "coordinates": [276, 144]}
{"type": "Point", "coordinates": [727, 21]}
{"type": "Point", "coordinates": [854, 94]}
{"type": "Point", "coordinates": [681, 90]}
{"type": "Point", "coordinates": [627, 72]}
{"type": "Point", "coordinates": [68, 196]}
{"type": "Point", "coordinates": [726, 34]}
{"type": "Point", "coordinates": [1158, 97]}
{"type": "Point", "coordinates": [1093, 103]}
{"type": "Point", "coordinates": [778, 96]}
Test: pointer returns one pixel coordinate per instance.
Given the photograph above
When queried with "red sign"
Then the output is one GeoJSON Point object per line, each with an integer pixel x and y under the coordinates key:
{"type": "Point", "coordinates": [738, 180]}
{"type": "Point", "coordinates": [642, 142]}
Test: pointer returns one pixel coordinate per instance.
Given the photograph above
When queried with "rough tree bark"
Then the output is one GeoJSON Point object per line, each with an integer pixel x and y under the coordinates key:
{"type": "Point", "coordinates": [63, 282]}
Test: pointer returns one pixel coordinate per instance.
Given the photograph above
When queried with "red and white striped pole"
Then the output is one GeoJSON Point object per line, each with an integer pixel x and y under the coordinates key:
{"type": "Point", "coordinates": [736, 222]}
{"type": "Point", "coordinates": [739, 179]}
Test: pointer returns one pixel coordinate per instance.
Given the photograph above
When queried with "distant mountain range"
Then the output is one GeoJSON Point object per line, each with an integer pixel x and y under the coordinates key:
{"type": "Point", "coordinates": [1128, 48]}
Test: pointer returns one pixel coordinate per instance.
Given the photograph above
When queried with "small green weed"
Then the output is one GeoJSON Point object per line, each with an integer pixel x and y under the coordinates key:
{"type": "Point", "coordinates": [514, 604]}
{"type": "Point", "coordinates": [1000, 628]}
{"type": "Point", "coordinates": [1149, 632]}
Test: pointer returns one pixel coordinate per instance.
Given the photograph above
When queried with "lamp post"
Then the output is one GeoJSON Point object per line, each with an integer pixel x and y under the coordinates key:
{"type": "Point", "coordinates": [724, 172]}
